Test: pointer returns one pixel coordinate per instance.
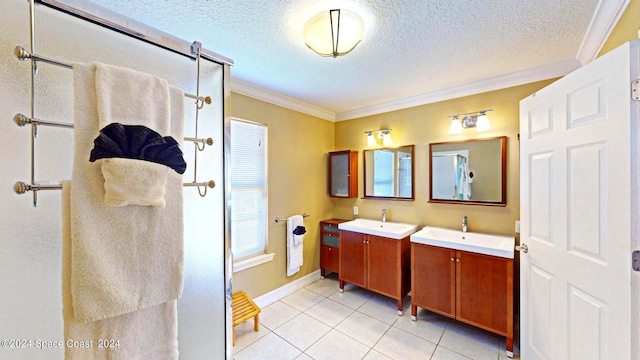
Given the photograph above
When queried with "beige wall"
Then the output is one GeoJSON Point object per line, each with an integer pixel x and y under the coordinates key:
{"type": "Point", "coordinates": [298, 147]}
{"type": "Point", "coordinates": [426, 124]}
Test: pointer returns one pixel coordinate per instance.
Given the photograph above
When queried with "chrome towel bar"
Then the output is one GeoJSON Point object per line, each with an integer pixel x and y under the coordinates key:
{"type": "Point", "coordinates": [277, 219]}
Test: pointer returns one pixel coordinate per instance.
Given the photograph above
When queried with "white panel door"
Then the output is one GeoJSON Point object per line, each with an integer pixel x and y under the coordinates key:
{"type": "Point", "coordinates": [578, 176]}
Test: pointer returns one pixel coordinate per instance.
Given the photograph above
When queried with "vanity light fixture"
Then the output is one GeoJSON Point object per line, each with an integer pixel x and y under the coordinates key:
{"type": "Point", "coordinates": [333, 33]}
{"type": "Point", "coordinates": [383, 134]}
{"type": "Point", "coordinates": [475, 119]}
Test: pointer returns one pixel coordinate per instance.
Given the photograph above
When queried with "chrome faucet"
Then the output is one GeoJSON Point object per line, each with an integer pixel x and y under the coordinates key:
{"type": "Point", "coordinates": [384, 215]}
{"type": "Point", "coordinates": [464, 223]}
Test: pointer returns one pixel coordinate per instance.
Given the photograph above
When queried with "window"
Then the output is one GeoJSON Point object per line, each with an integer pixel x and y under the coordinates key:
{"type": "Point", "coordinates": [248, 189]}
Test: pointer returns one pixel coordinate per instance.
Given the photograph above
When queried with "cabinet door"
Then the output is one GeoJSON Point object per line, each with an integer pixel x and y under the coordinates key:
{"type": "Point", "coordinates": [330, 258]}
{"type": "Point", "coordinates": [485, 291]}
{"type": "Point", "coordinates": [433, 278]}
{"type": "Point", "coordinates": [353, 252]}
{"type": "Point", "coordinates": [384, 266]}
{"type": "Point", "coordinates": [343, 174]}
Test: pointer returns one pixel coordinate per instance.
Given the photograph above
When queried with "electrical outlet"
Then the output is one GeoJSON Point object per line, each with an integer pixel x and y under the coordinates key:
{"type": "Point", "coordinates": [355, 210]}
{"type": "Point", "coordinates": [517, 226]}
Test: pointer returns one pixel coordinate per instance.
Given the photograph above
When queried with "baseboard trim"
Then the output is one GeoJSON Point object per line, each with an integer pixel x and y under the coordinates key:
{"type": "Point", "coordinates": [285, 290]}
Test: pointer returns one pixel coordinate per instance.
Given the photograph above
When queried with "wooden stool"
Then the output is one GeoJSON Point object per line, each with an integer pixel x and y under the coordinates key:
{"type": "Point", "coordinates": [244, 309]}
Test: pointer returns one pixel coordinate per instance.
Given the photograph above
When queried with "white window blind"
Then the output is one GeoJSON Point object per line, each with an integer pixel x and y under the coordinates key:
{"type": "Point", "coordinates": [248, 188]}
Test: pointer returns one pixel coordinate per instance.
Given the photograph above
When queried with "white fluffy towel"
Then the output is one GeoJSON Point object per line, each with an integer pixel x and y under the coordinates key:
{"type": "Point", "coordinates": [128, 258]}
{"type": "Point", "coordinates": [149, 334]}
{"type": "Point", "coordinates": [295, 245]}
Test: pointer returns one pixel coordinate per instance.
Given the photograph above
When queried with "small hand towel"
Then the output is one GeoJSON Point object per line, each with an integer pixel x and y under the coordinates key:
{"type": "Point", "coordinates": [124, 258]}
{"type": "Point", "coordinates": [149, 334]}
{"type": "Point", "coordinates": [295, 245]}
{"type": "Point", "coordinates": [134, 182]}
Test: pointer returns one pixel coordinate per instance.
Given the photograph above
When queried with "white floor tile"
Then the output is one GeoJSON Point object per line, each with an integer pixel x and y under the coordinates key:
{"type": "Point", "coordinates": [302, 331]}
{"type": "Point", "coordinates": [245, 335]}
{"type": "Point", "coordinates": [471, 342]}
{"type": "Point", "coordinates": [325, 287]}
{"type": "Point", "coordinates": [304, 356]}
{"type": "Point", "coordinates": [277, 314]}
{"type": "Point", "coordinates": [398, 344]}
{"type": "Point", "coordinates": [270, 346]}
{"type": "Point", "coordinates": [374, 355]}
{"type": "Point", "coordinates": [382, 308]}
{"type": "Point", "coordinates": [329, 312]}
{"type": "Point", "coordinates": [302, 299]}
{"type": "Point", "coordinates": [353, 298]}
{"type": "Point", "coordinates": [363, 328]}
{"type": "Point", "coordinates": [446, 354]}
{"type": "Point", "coordinates": [337, 346]}
{"type": "Point", "coordinates": [429, 326]}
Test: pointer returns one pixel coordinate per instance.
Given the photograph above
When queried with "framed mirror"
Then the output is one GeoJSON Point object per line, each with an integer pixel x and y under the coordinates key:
{"type": "Point", "coordinates": [389, 173]}
{"type": "Point", "coordinates": [470, 172]}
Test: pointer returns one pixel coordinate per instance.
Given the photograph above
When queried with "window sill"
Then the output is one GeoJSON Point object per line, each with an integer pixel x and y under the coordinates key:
{"type": "Point", "coordinates": [251, 262]}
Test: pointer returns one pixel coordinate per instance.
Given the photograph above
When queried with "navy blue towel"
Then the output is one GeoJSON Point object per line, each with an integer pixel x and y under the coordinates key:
{"type": "Point", "coordinates": [299, 230]}
{"type": "Point", "coordinates": [137, 142]}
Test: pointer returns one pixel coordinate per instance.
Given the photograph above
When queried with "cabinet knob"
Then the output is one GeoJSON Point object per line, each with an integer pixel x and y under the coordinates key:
{"type": "Point", "coordinates": [452, 259]}
{"type": "Point", "coordinates": [457, 260]}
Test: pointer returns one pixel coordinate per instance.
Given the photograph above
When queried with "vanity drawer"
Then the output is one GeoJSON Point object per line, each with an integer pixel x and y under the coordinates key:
{"type": "Point", "coordinates": [333, 228]}
{"type": "Point", "coordinates": [330, 240]}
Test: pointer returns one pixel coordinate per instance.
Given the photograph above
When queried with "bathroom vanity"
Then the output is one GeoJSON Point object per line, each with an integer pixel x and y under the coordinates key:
{"type": "Point", "coordinates": [465, 276]}
{"type": "Point", "coordinates": [375, 255]}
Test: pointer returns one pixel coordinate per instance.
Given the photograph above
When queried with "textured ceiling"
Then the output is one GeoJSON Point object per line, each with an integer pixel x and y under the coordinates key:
{"type": "Point", "coordinates": [409, 47]}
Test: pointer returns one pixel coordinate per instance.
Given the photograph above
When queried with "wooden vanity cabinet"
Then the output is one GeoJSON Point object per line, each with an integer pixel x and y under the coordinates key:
{"type": "Point", "coordinates": [343, 174]}
{"type": "Point", "coordinates": [473, 288]}
{"type": "Point", "coordinates": [433, 279]}
{"type": "Point", "coordinates": [376, 263]}
{"type": "Point", "coordinates": [330, 246]}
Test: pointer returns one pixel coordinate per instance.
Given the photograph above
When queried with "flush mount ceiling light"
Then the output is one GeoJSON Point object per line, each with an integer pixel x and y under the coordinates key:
{"type": "Point", "coordinates": [476, 119]}
{"type": "Point", "coordinates": [333, 33]}
{"type": "Point", "coordinates": [383, 134]}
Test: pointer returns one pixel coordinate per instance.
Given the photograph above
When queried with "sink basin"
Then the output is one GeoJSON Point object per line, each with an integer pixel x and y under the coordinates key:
{"type": "Point", "coordinates": [379, 228]}
{"type": "Point", "coordinates": [496, 245]}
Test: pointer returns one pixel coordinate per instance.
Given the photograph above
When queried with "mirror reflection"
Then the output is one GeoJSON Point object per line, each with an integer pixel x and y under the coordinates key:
{"type": "Point", "coordinates": [470, 171]}
{"type": "Point", "coordinates": [389, 173]}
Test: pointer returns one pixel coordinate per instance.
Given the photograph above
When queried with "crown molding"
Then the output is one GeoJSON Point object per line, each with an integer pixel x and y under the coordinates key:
{"type": "Point", "coordinates": [244, 88]}
{"type": "Point", "coordinates": [539, 73]}
{"type": "Point", "coordinates": [605, 19]}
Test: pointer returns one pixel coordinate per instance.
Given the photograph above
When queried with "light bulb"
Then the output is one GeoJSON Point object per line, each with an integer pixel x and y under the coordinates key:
{"type": "Point", "coordinates": [456, 126]}
{"type": "Point", "coordinates": [386, 139]}
{"type": "Point", "coordinates": [371, 141]}
{"type": "Point", "coordinates": [483, 123]}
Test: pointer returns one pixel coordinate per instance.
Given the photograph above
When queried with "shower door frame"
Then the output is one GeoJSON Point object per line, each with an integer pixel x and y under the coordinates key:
{"type": "Point", "coordinates": [121, 24]}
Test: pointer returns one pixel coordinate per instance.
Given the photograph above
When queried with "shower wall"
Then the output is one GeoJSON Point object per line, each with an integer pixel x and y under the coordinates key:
{"type": "Point", "coordinates": [30, 238]}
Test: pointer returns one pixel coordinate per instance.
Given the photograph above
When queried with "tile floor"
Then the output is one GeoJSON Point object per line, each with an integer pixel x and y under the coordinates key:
{"type": "Point", "coordinates": [318, 322]}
